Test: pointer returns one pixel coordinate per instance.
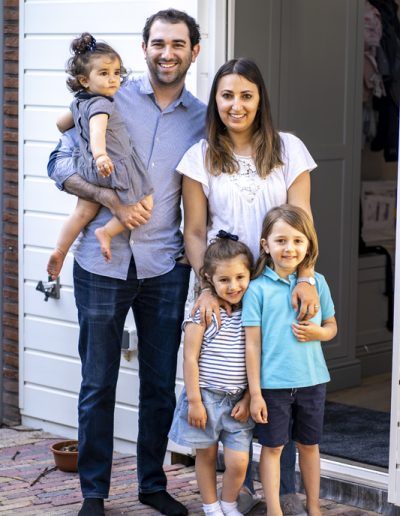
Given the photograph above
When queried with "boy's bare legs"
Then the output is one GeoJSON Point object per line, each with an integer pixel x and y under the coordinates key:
{"type": "Point", "coordinates": [84, 212]}
{"type": "Point", "coordinates": [206, 473]}
{"type": "Point", "coordinates": [114, 227]}
{"type": "Point", "coordinates": [309, 462]}
{"type": "Point", "coordinates": [235, 472]}
{"type": "Point", "coordinates": [270, 472]}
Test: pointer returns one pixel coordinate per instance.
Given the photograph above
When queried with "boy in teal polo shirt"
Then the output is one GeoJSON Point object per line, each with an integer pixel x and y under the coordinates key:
{"type": "Point", "coordinates": [285, 364]}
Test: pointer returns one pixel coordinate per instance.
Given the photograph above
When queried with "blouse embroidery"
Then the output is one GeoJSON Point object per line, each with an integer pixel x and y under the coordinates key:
{"type": "Point", "coordinates": [247, 179]}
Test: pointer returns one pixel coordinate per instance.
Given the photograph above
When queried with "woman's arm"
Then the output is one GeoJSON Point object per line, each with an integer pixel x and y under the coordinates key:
{"type": "Point", "coordinates": [304, 294]}
{"type": "Point", "coordinates": [194, 333]}
{"type": "Point", "coordinates": [195, 208]}
{"type": "Point", "coordinates": [258, 407]}
{"type": "Point", "coordinates": [195, 222]}
{"type": "Point", "coordinates": [65, 121]}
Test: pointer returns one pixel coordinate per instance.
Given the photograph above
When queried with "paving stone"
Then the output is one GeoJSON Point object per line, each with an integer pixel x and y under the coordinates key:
{"type": "Point", "coordinates": [58, 493]}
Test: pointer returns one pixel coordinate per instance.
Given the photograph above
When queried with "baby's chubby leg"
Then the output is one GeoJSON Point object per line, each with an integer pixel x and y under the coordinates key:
{"type": "Point", "coordinates": [106, 233]}
{"type": "Point", "coordinates": [84, 212]}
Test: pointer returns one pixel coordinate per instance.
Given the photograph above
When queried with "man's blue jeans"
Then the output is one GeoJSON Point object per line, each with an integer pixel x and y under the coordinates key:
{"type": "Point", "coordinates": [158, 307]}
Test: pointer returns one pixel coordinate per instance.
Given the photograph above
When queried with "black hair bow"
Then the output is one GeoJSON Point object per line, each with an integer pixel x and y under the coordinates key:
{"type": "Point", "coordinates": [91, 46]}
{"type": "Point", "coordinates": [225, 234]}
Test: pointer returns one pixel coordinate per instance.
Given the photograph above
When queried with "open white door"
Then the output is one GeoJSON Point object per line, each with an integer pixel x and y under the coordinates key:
{"type": "Point", "coordinates": [394, 450]}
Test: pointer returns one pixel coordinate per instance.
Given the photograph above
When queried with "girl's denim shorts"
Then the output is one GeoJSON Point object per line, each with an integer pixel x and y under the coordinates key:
{"type": "Point", "coordinates": [221, 426]}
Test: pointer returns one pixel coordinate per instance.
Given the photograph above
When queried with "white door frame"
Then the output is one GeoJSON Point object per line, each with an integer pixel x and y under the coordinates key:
{"type": "Point", "coordinates": [394, 448]}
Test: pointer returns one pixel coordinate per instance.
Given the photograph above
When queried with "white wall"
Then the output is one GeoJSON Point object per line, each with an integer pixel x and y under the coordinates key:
{"type": "Point", "coordinates": [49, 363]}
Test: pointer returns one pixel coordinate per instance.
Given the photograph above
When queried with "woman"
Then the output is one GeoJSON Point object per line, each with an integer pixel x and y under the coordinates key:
{"type": "Point", "coordinates": [233, 179]}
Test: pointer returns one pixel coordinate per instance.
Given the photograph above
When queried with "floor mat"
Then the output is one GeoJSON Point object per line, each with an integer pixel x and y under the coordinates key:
{"type": "Point", "coordinates": [356, 433]}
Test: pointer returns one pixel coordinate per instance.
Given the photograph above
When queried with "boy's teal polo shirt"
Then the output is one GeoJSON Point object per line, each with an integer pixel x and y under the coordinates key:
{"type": "Point", "coordinates": [285, 362]}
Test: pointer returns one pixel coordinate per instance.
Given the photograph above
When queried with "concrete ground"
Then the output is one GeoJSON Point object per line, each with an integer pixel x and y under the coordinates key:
{"type": "Point", "coordinates": [30, 485]}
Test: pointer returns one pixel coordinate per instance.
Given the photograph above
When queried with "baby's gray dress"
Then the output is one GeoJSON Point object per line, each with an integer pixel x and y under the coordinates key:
{"type": "Point", "coordinates": [129, 178]}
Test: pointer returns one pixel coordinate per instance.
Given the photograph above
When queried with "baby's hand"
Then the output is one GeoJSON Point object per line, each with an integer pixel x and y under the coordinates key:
{"type": "Point", "coordinates": [305, 331]}
{"type": "Point", "coordinates": [197, 415]}
{"type": "Point", "coordinates": [241, 411]}
{"type": "Point", "coordinates": [104, 165]}
{"type": "Point", "coordinates": [258, 409]}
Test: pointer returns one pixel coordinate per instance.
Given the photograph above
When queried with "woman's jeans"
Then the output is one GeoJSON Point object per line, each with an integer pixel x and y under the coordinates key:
{"type": "Point", "coordinates": [158, 307]}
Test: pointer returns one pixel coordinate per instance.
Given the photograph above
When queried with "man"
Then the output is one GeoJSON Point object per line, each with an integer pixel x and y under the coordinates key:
{"type": "Point", "coordinates": [146, 273]}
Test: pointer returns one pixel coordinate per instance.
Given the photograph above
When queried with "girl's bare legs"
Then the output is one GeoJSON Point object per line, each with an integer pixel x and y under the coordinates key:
{"type": "Point", "coordinates": [309, 462]}
{"type": "Point", "coordinates": [84, 212]}
{"type": "Point", "coordinates": [113, 227]}
{"type": "Point", "coordinates": [235, 472]}
{"type": "Point", "coordinates": [270, 477]}
{"type": "Point", "coordinates": [206, 473]}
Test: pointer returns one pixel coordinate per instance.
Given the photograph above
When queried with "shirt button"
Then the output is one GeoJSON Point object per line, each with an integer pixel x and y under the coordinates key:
{"type": "Point", "coordinates": [132, 242]}
{"type": "Point", "coordinates": [153, 164]}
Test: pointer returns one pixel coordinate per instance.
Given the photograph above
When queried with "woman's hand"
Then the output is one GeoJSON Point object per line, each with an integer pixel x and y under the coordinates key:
{"type": "Point", "coordinates": [197, 415]}
{"type": "Point", "coordinates": [207, 303]}
{"type": "Point", "coordinates": [305, 301]}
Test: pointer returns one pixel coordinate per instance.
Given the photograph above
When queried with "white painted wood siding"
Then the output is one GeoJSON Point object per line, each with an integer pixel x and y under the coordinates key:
{"type": "Point", "coordinates": [49, 362]}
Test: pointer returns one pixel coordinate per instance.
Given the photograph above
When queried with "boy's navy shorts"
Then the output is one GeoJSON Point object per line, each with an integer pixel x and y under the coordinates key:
{"type": "Point", "coordinates": [304, 406]}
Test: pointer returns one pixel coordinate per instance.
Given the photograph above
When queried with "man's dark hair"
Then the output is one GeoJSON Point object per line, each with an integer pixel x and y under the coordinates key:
{"type": "Point", "coordinates": [173, 16]}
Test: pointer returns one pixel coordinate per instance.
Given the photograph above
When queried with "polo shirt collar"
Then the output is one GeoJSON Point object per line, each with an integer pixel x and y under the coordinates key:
{"type": "Point", "coordinates": [185, 97]}
{"type": "Point", "coordinates": [270, 273]}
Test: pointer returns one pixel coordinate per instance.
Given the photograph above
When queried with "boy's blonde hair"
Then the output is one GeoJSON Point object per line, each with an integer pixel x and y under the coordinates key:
{"type": "Point", "coordinates": [299, 220]}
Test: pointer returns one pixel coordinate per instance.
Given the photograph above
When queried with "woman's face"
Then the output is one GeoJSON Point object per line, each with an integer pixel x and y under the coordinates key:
{"type": "Point", "coordinates": [237, 102]}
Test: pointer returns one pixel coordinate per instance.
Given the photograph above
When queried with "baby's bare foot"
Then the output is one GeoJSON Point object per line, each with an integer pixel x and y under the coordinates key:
{"type": "Point", "coordinates": [55, 263]}
{"type": "Point", "coordinates": [105, 243]}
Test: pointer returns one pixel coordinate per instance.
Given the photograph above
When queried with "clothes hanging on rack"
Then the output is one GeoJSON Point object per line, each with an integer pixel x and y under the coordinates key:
{"type": "Point", "coordinates": [388, 62]}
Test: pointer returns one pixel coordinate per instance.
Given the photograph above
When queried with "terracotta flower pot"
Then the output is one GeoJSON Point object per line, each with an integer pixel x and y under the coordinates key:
{"type": "Point", "coordinates": [65, 455]}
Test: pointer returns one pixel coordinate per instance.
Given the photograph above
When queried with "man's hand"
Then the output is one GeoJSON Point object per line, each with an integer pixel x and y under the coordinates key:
{"type": "Point", "coordinates": [197, 415]}
{"type": "Point", "coordinates": [306, 296]}
{"type": "Point", "coordinates": [208, 304]}
{"type": "Point", "coordinates": [133, 215]}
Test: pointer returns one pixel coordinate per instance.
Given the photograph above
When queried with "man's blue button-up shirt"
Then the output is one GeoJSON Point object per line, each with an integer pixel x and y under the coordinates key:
{"type": "Point", "coordinates": [161, 137]}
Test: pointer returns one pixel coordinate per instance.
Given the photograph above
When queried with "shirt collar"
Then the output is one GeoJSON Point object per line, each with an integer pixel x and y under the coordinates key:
{"type": "Point", "coordinates": [185, 97]}
{"type": "Point", "coordinates": [270, 273]}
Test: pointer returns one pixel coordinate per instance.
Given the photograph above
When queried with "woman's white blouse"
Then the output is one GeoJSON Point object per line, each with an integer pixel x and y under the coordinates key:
{"type": "Point", "coordinates": [239, 202]}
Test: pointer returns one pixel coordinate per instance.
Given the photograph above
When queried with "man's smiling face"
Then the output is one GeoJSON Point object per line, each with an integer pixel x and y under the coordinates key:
{"type": "Point", "coordinates": [168, 53]}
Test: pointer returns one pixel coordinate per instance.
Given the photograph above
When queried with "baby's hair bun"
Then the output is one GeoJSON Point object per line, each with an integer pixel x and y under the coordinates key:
{"type": "Point", "coordinates": [85, 43]}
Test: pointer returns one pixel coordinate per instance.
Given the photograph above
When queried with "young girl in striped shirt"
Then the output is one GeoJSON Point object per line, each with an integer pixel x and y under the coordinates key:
{"type": "Point", "coordinates": [214, 405]}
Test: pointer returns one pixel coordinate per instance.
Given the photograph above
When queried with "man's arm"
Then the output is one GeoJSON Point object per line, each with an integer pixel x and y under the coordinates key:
{"type": "Point", "coordinates": [62, 168]}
